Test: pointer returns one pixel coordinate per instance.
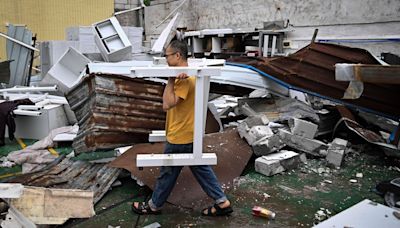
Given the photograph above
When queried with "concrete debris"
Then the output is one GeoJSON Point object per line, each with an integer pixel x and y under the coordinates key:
{"type": "Point", "coordinates": [322, 214]}
{"type": "Point", "coordinates": [303, 158]}
{"type": "Point", "coordinates": [353, 181]}
{"type": "Point", "coordinates": [277, 109]}
{"type": "Point", "coordinates": [242, 129]}
{"type": "Point", "coordinates": [336, 152]}
{"type": "Point", "coordinates": [259, 132]}
{"type": "Point", "coordinates": [276, 163]}
{"type": "Point", "coordinates": [255, 120]}
{"type": "Point", "coordinates": [359, 175]}
{"type": "Point", "coordinates": [224, 104]}
{"type": "Point", "coordinates": [274, 125]}
{"type": "Point", "coordinates": [311, 146]}
{"type": "Point", "coordinates": [302, 128]}
{"type": "Point", "coordinates": [245, 109]}
{"type": "Point", "coordinates": [268, 145]}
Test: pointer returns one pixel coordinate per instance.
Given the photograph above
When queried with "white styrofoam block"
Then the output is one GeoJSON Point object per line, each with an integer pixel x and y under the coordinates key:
{"type": "Point", "coordinates": [67, 71]}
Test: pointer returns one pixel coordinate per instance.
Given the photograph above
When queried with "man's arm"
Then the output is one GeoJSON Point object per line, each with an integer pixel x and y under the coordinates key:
{"type": "Point", "coordinates": [170, 99]}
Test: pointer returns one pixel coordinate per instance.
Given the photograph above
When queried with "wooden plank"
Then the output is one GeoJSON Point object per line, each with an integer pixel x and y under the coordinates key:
{"type": "Point", "coordinates": [54, 206]}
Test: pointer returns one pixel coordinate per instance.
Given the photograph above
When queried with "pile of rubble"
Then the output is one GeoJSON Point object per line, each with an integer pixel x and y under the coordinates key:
{"type": "Point", "coordinates": [112, 109]}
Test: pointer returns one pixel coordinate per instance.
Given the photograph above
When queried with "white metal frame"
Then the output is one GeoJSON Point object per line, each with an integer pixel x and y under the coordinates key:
{"type": "Point", "coordinates": [201, 100]}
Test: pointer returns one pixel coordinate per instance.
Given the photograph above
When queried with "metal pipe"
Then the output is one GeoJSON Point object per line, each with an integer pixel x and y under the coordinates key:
{"type": "Point", "coordinates": [29, 107]}
{"type": "Point", "coordinates": [172, 12]}
{"type": "Point", "coordinates": [128, 10]}
{"type": "Point", "coordinates": [19, 42]}
{"type": "Point", "coordinates": [30, 89]}
{"type": "Point", "coordinates": [26, 113]}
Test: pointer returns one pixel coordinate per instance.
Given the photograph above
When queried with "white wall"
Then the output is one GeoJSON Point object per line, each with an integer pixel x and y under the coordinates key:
{"type": "Point", "coordinates": [357, 23]}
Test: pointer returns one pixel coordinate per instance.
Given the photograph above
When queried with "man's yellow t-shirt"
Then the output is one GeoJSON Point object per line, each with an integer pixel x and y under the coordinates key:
{"type": "Point", "coordinates": [180, 119]}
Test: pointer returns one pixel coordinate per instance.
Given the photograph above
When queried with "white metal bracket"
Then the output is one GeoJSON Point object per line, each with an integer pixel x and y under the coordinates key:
{"type": "Point", "coordinates": [200, 108]}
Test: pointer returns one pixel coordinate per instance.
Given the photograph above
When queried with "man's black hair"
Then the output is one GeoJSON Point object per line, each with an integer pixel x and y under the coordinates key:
{"type": "Point", "coordinates": [181, 47]}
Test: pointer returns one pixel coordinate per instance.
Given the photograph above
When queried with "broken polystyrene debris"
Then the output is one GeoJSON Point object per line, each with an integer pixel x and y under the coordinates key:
{"type": "Point", "coordinates": [328, 181]}
{"type": "Point", "coordinates": [353, 181]}
{"type": "Point", "coordinates": [359, 175]}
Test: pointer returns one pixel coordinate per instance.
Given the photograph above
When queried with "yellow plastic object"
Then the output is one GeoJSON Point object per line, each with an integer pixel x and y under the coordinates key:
{"type": "Point", "coordinates": [21, 143]}
{"type": "Point", "coordinates": [53, 151]}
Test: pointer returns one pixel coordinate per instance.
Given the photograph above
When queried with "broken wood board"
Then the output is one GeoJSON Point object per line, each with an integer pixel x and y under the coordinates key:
{"type": "Point", "coordinates": [233, 154]}
{"type": "Point", "coordinates": [54, 206]}
{"type": "Point", "coordinates": [68, 174]}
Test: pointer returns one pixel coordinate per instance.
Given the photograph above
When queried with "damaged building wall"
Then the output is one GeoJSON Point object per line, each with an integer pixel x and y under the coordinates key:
{"type": "Point", "coordinates": [128, 19]}
{"type": "Point", "coordinates": [369, 24]}
{"type": "Point", "coordinates": [49, 18]}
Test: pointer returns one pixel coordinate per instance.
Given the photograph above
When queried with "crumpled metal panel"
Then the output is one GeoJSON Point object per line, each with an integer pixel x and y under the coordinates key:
{"type": "Point", "coordinates": [233, 154]}
{"type": "Point", "coordinates": [19, 68]}
{"type": "Point", "coordinates": [312, 70]}
{"type": "Point", "coordinates": [115, 110]}
{"type": "Point", "coordinates": [67, 174]}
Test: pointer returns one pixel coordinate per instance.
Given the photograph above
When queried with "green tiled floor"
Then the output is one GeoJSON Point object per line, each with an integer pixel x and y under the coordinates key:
{"type": "Point", "coordinates": [295, 196]}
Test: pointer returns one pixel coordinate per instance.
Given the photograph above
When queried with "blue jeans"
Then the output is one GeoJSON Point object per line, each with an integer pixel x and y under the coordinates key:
{"type": "Point", "coordinates": [169, 174]}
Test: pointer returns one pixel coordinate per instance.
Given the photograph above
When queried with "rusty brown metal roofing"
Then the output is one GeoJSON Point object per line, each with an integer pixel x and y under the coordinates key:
{"type": "Point", "coordinates": [67, 174]}
{"type": "Point", "coordinates": [115, 110]}
{"type": "Point", "coordinates": [312, 70]}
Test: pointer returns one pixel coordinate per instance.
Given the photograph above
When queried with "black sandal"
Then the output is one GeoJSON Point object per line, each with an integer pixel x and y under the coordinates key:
{"type": "Point", "coordinates": [144, 209]}
{"type": "Point", "coordinates": [218, 211]}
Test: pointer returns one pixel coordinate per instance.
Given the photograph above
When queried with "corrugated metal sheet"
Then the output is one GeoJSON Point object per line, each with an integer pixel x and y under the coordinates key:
{"type": "Point", "coordinates": [312, 70]}
{"type": "Point", "coordinates": [114, 110]}
{"type": "Point", "coordinates": [67, 174]}
{"type": "Point", "coordinates": [21, 55]}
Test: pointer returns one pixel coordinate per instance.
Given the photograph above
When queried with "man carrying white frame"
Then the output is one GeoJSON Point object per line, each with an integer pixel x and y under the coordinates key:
{"type": "Point", "coordinates": [178, 102]}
